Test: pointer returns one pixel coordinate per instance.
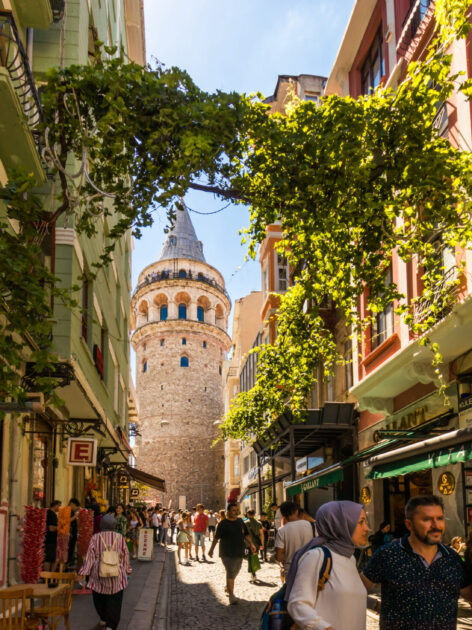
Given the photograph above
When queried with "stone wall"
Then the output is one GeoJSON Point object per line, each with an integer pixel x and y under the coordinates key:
{"type": "Point", "coordinates": [180, 407]}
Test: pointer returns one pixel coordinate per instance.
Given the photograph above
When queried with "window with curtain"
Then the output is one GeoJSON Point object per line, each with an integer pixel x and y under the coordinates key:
{"type": "Point", "coordinates": [382, 325]}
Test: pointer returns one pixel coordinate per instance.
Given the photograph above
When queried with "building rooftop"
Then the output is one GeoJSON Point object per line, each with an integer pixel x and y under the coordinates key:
{"type": "Point", "coordinates": [182, 241]}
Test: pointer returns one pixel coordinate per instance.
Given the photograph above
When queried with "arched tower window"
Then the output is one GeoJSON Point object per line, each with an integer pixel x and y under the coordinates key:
{"type": "Point", "coordinates": [184, 341]}
{"type": "Point", "coordinates": [172, 240]}
{"type": "Point", "coordinates": [163, 313]}
{"type": "Point", "coordinates": [184, 361]}
{"type": "Point", "coordinates": [182, 311]}
{"type": "Point", "coordinates": [145, 366]}
{"type": "Point", "coordinates": [200, 314]}
{"type": "Point", "coordinates": [182, 273]}
{"type": "Point", "coordinates": [200, 276]}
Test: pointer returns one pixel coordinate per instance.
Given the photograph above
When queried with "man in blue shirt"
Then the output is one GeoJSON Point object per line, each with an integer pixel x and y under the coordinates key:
{"type": "Point", "coordinates": [421, 579]}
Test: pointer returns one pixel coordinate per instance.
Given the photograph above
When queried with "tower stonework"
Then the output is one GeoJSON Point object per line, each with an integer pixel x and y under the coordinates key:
{"type": "Point", "coordinates": [181, 310]}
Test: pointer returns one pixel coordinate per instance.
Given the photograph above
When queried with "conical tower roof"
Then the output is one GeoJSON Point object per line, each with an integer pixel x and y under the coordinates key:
{"type": "Point", "coordinates": [182, 241]}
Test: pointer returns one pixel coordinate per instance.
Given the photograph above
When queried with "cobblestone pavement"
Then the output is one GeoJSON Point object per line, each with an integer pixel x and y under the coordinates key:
{"type": "Point", "coordinates": [198, 600]}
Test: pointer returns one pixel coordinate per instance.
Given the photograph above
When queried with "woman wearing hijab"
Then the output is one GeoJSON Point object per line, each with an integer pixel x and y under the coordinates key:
{"type": "Point", "coordinates": [341, 605]}
{"type": "Point", "coordinates": [107, 592]}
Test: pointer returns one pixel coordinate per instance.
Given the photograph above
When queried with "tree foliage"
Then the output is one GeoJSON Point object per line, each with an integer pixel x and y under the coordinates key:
{"type": "Point", "coordinates": [350, 181]}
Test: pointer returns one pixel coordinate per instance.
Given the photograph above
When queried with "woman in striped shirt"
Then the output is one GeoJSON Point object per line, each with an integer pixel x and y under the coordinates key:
{"type": "Point", "coordinates": [107, 592]}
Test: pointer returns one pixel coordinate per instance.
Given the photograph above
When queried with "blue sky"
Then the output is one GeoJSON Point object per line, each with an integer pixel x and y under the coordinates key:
{"type": "Point", "coordinates": [240, 46]}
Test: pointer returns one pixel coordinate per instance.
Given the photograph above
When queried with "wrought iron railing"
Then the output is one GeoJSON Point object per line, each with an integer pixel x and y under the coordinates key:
{"type": "Point", "coordinates": [412, 23]}
{"type": "Point", "coordinates": [14, 58]}
{"type": "Point", "coordinates": [57, 8]}
{"type": "Point", "coordinates": [163, 276]}
{"type": "Point", "coordinates": [443, 298]}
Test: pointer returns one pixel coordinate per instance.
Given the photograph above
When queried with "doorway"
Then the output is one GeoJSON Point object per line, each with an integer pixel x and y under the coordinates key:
{"type": "Point", "coordinates": [397, 492]}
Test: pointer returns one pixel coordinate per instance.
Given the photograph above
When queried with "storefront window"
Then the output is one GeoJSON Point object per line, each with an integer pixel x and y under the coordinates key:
{"type": "Point", "coordinates": [397, 492]}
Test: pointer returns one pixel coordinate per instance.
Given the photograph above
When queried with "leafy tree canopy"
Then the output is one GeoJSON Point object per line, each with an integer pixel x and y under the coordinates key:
{"type": "Point", "coordinates": [350, 181]}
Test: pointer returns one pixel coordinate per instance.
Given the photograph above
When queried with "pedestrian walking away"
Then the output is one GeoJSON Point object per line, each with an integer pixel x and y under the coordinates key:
{"type": "Point", "coordinates": [231, 533]}
{"type": "Point", "coordinates": [107, 592]}
{"type": "Point", "coordinates": [135, 524]}
{"type": "Point", "coordinates": [50, 539]}
{"type": "Point", "coordinates": [341, 605]}
{"type": "Point", "coordinates": [264, 521]}
{"type": "Point", "coordinates": [183, 538]}
{"type": "Point", "coordinates": [420, 578]}
{"type": "Point", "coordinates": [291, 537]}
{"type": "Point", "coordinates": [200, 526]}
{"type": "Point", "coordinates": [211, 524]}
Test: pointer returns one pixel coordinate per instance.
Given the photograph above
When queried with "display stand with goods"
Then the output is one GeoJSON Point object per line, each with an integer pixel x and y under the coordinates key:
{"type": "Point", "coordinates": [34, 530]}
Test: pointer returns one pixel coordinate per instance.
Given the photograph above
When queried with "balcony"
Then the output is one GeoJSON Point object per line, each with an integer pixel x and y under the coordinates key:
{"type": "Point", "coordinates": [445, 301]}
{"type": "Point", "coordinates": [39, 13]}
{"type": "Point", "coordinates": [166, 275]}
{"type": "Point", "coordinates": [21, 107]}
{"type": "Point", "coordinates": [412, 24]}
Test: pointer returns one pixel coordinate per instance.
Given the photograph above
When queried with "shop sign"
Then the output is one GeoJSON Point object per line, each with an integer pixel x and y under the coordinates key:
{"type": "Point", "coordinates": [146, 544]}
{"type": "Point", "coordinates": [465, 412]}
{"type": "Point", "coordinates": [406, 421]}
{"type": "Point", "coordinates": [446, 483]}
{"type": "Point", "coordinates": [81, 452]}
{"type": "Point", "coordinates": [134, 493]}
{"type": "Point", "coordinates": [366, 495]}
{"type": "Point", "coordinates": [123, 481]}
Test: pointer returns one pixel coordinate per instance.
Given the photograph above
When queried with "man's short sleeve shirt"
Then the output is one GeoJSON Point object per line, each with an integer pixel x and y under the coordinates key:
{"type": "Point", "coordinates": [415, 595]}
{"type": "Point", "coordinates": [200, 523]}
{"type": "Point", "coordinates": [231, 535]}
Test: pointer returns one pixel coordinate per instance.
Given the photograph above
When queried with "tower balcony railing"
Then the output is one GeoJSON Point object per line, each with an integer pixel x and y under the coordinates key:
{"type": "Point", "coordinates": [14, 59]}
{"type": "Point", "coordinates": [165, 275]}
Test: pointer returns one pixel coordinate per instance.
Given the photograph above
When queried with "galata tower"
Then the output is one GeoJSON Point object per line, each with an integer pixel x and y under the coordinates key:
{"type": "Point", "coordinates": [181, 310]}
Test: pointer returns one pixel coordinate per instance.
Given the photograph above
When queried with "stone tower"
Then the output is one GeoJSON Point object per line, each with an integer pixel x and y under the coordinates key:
{"type": "Point", "coordinates": [181, 310]}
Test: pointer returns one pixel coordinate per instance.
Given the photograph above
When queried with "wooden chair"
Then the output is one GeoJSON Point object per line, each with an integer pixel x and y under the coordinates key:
{"type": "Point", "coordinates": [13, 607]}
{"type": "Point", "coordinates": [59, 605]}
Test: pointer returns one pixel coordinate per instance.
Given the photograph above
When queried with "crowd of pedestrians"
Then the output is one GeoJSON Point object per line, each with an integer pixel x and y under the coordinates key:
{"type": "Point", "coordinates": [325, 585]}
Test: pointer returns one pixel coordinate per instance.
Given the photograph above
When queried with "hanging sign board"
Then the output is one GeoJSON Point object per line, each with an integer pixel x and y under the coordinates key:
{"type": "Point", "coordinates": [146, 544]}
{"type": "Point", "coordinates": [81, 452]}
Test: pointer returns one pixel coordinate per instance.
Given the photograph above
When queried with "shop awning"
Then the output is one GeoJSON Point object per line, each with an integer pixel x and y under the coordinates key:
{"type": "Point", "coordinates": [149, 480]}
{"type": "Point", "coordinates": [318, 479]}
{"type": "Point", "coordinates": [450, 448]}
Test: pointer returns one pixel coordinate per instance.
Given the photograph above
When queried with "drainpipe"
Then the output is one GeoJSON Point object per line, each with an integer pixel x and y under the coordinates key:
{"type": "Point", "coordinates": [13, 515]}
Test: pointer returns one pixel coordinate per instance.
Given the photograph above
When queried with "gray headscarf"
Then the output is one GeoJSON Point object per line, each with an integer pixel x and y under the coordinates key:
{"type": "Point", "coordinates": [108, 523]}
{"type": "Point", "coordinates": [335, 525]}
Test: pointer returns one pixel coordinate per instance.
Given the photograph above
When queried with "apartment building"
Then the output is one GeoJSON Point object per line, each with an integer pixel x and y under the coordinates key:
{"type": "Point", "coordinates": [411, 439]}
{"type": "Point", "coordinates": [91, 341]}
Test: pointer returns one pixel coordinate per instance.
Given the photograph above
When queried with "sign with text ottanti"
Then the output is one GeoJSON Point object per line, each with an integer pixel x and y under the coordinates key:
{"type": "Point", "coordinates": [81, 452]}
{"type": "Point", "coordinates": [146, 544]}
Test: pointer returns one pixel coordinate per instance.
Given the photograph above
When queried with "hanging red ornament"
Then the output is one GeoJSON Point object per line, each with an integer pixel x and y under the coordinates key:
{"type": "Point", "coordinates": [34, 530]}
{"type": "Point", "coordinates": [85, 523]}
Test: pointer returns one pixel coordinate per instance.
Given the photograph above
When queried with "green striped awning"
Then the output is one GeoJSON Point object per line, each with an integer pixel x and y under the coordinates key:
{"type": "Point", "coordinates": [316, 480]}
{"type": "Point", "coordinates": [424, 461]}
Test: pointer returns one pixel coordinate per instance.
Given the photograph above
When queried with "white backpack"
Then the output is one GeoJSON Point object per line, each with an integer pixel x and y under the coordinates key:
{"type": "Point", "coordinates": [109, 561]}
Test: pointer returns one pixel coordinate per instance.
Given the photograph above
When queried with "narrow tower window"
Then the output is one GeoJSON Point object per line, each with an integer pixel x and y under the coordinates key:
{"type": "Point", "coordinates": [172, 240]}
{"type": "Point", "coordinates": [163, 342]}
{"type": "Point", "coordinates": [183, 361]}
{"type": "Point", "coordinates": [163, 313]}
{"type": "Point", "coordinates": [204, 344]}
{"type": "Point", "coordinates": [144, 366]}
{"type": "Point", "coordinates": [184, 341]}
{"type": "Point", "coordinates": [200, 314]}
{"type": "Point", "coordinates": [182, 311]}
{"type": "Point", "coordinates": [182, 273]}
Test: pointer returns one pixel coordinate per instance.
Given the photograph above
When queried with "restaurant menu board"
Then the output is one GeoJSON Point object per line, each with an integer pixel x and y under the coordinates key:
{"type": "Point", "coordinates": [146, 544]}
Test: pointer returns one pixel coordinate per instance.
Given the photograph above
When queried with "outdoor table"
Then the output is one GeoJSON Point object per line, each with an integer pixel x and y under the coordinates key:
{"type": "Point", "coordinates": [40, 591]}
